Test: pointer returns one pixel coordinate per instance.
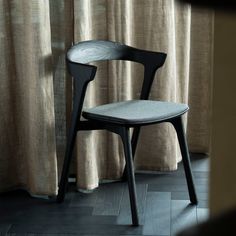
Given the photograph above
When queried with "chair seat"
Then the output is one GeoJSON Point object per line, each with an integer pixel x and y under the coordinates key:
{"type": "Point", "coordinates": [134, 112]}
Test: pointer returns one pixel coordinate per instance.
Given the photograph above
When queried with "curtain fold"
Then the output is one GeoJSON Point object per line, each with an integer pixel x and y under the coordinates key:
{"type": "Point", "coordinates": [62, 33]}
{"type": "Point", "coordinates": [200, 83]}
{"type": "Point", "coordinates": [36, 91]}
{"type": "Point", "coordinates": [27, 122]}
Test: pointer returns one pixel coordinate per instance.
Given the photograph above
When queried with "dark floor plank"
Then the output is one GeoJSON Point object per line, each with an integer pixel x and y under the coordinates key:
{"type": "Point", "coordinates": [71, 234]}
{"type": "Point", "coordinates": [77, 229]}
{"type": "Point", "coordinates": [10, 215]}
{"type": "Point", "coordinates": [22, 234]}
{"type": "Point", "coordinates": [48, 234]}
{"type": "Point", "coordinates": [183, 214]}
{"type": "Point", "coordinates": [199, 163]}
{"type": "Point", "coordinates": [46, 213]}
{"type": "Point", "coordinates": [167, 188]}
{"type": "Point", "coordinates": [203, 204]}
{"type": "Point", "coordinates": [180, 173]}
{"type": "Point", "coordinates": [160, 178]}
{"type": "Point", "coordinates": [202, 214]}
{"type": "Point", "coordinates": [108, 199]}
{"type": "Point", "coordinates": [200, 188]}
{"type": "Point", "coordinates": [200, 174]}
{"type": "Point", "coordinates": [157, 217]}
{"type": "Point", "coordinates": [83, 199]}
{"type": "Point", "coordinates": [166, 179]}
{"type": "Point", "coordinates": [125, 211]}
{"type": "Point", "coordinates": [185, 196]}
{"type": "Point", "coordinates": [66, 219]}
{"type": "Point", "coordinates": [57, 211]}
{"type": "Point", "coordinates": [4, 228]}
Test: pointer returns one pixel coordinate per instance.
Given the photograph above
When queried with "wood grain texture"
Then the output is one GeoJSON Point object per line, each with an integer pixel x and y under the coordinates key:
{"type": "Point", "coordinates": [109, 199]}
{"type": "Point", "coordinates": [124, 216]}
{"type": "Point", "coordinates": [183, 214]}
{"type": "Point", "coordinates": [157, 218]}
{"type": "Point", "coordinates": [74, 229]}
{"type": "Point", "coordinates": [84, 199]}
{"type": "Point", "coordinates": [202, 214]}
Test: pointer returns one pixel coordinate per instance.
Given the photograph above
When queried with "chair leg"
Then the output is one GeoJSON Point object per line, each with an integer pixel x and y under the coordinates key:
{"type": "Point", "coordinates": [178, 125]}
{"type": "Point", "coordinates": [134, 142]}
{"type": "Point", "coordinates": [66, 165]}
{"type": "Point", "coordinates": [130, 174]}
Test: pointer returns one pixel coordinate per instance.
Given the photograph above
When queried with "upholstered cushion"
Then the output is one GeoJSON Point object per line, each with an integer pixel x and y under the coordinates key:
{"type": "Point", "coordinates": [135, 111]}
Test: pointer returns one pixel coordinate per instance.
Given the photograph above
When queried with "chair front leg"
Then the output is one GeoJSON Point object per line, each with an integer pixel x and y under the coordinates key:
{"type": "Point", "coordinates": [178, 125]}
{"type": "Point", "coordinates": [124, 133]}
{"type": "Point", "coordinates": [134, 141]}
{"type": "Point", "coordinates": [66, 164]}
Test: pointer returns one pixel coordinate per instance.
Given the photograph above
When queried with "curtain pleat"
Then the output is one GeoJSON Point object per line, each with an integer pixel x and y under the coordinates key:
{"type": "Point", "coordinates": [200, 80]}
{"type": "Point", "coordinates": [62, 33]}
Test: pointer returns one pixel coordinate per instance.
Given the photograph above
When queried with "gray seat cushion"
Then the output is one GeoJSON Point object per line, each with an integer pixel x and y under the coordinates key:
{"type": "Point", "coordinates": [135, 112]}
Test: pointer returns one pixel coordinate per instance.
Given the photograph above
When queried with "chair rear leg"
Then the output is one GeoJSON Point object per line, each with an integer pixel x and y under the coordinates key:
{"type": "Point", "coordinates": [178, 125]}
{"type": "Point", "coordinates": [124, 133]}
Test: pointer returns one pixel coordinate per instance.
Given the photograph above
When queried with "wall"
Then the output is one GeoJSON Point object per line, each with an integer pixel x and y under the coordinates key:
{"type": "Point", "coordinates": [223, 153]}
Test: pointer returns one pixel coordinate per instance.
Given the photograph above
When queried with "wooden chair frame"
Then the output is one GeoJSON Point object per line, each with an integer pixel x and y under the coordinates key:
{"type": "Point", "coordinates": [89, 51]}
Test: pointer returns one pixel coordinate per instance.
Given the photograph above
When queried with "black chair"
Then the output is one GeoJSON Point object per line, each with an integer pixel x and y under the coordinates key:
{"type": "Point", "coordinates": [119, 117]}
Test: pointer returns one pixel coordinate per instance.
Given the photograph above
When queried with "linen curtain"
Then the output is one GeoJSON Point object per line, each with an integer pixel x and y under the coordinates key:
{"type": "Point", "coordinates": [27, 140]}
{"type": "Point", "coordinates": [36, 91]}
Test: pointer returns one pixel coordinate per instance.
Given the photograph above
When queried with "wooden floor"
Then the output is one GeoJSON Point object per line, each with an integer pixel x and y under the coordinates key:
{"type": "Point", "coordinates": [164, 207]}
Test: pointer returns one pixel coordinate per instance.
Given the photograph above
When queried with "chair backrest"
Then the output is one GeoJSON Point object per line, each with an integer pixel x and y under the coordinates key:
{"type": "Point", "coordinates": [98, 50]}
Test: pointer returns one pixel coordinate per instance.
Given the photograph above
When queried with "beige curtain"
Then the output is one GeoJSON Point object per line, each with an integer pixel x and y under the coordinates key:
{"type": "Point", "coordinates": [27, 121]}
{"type": "Point", "coordinates": [186, 77]}
{"type": "Point", "coordinates": [36, 90]}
